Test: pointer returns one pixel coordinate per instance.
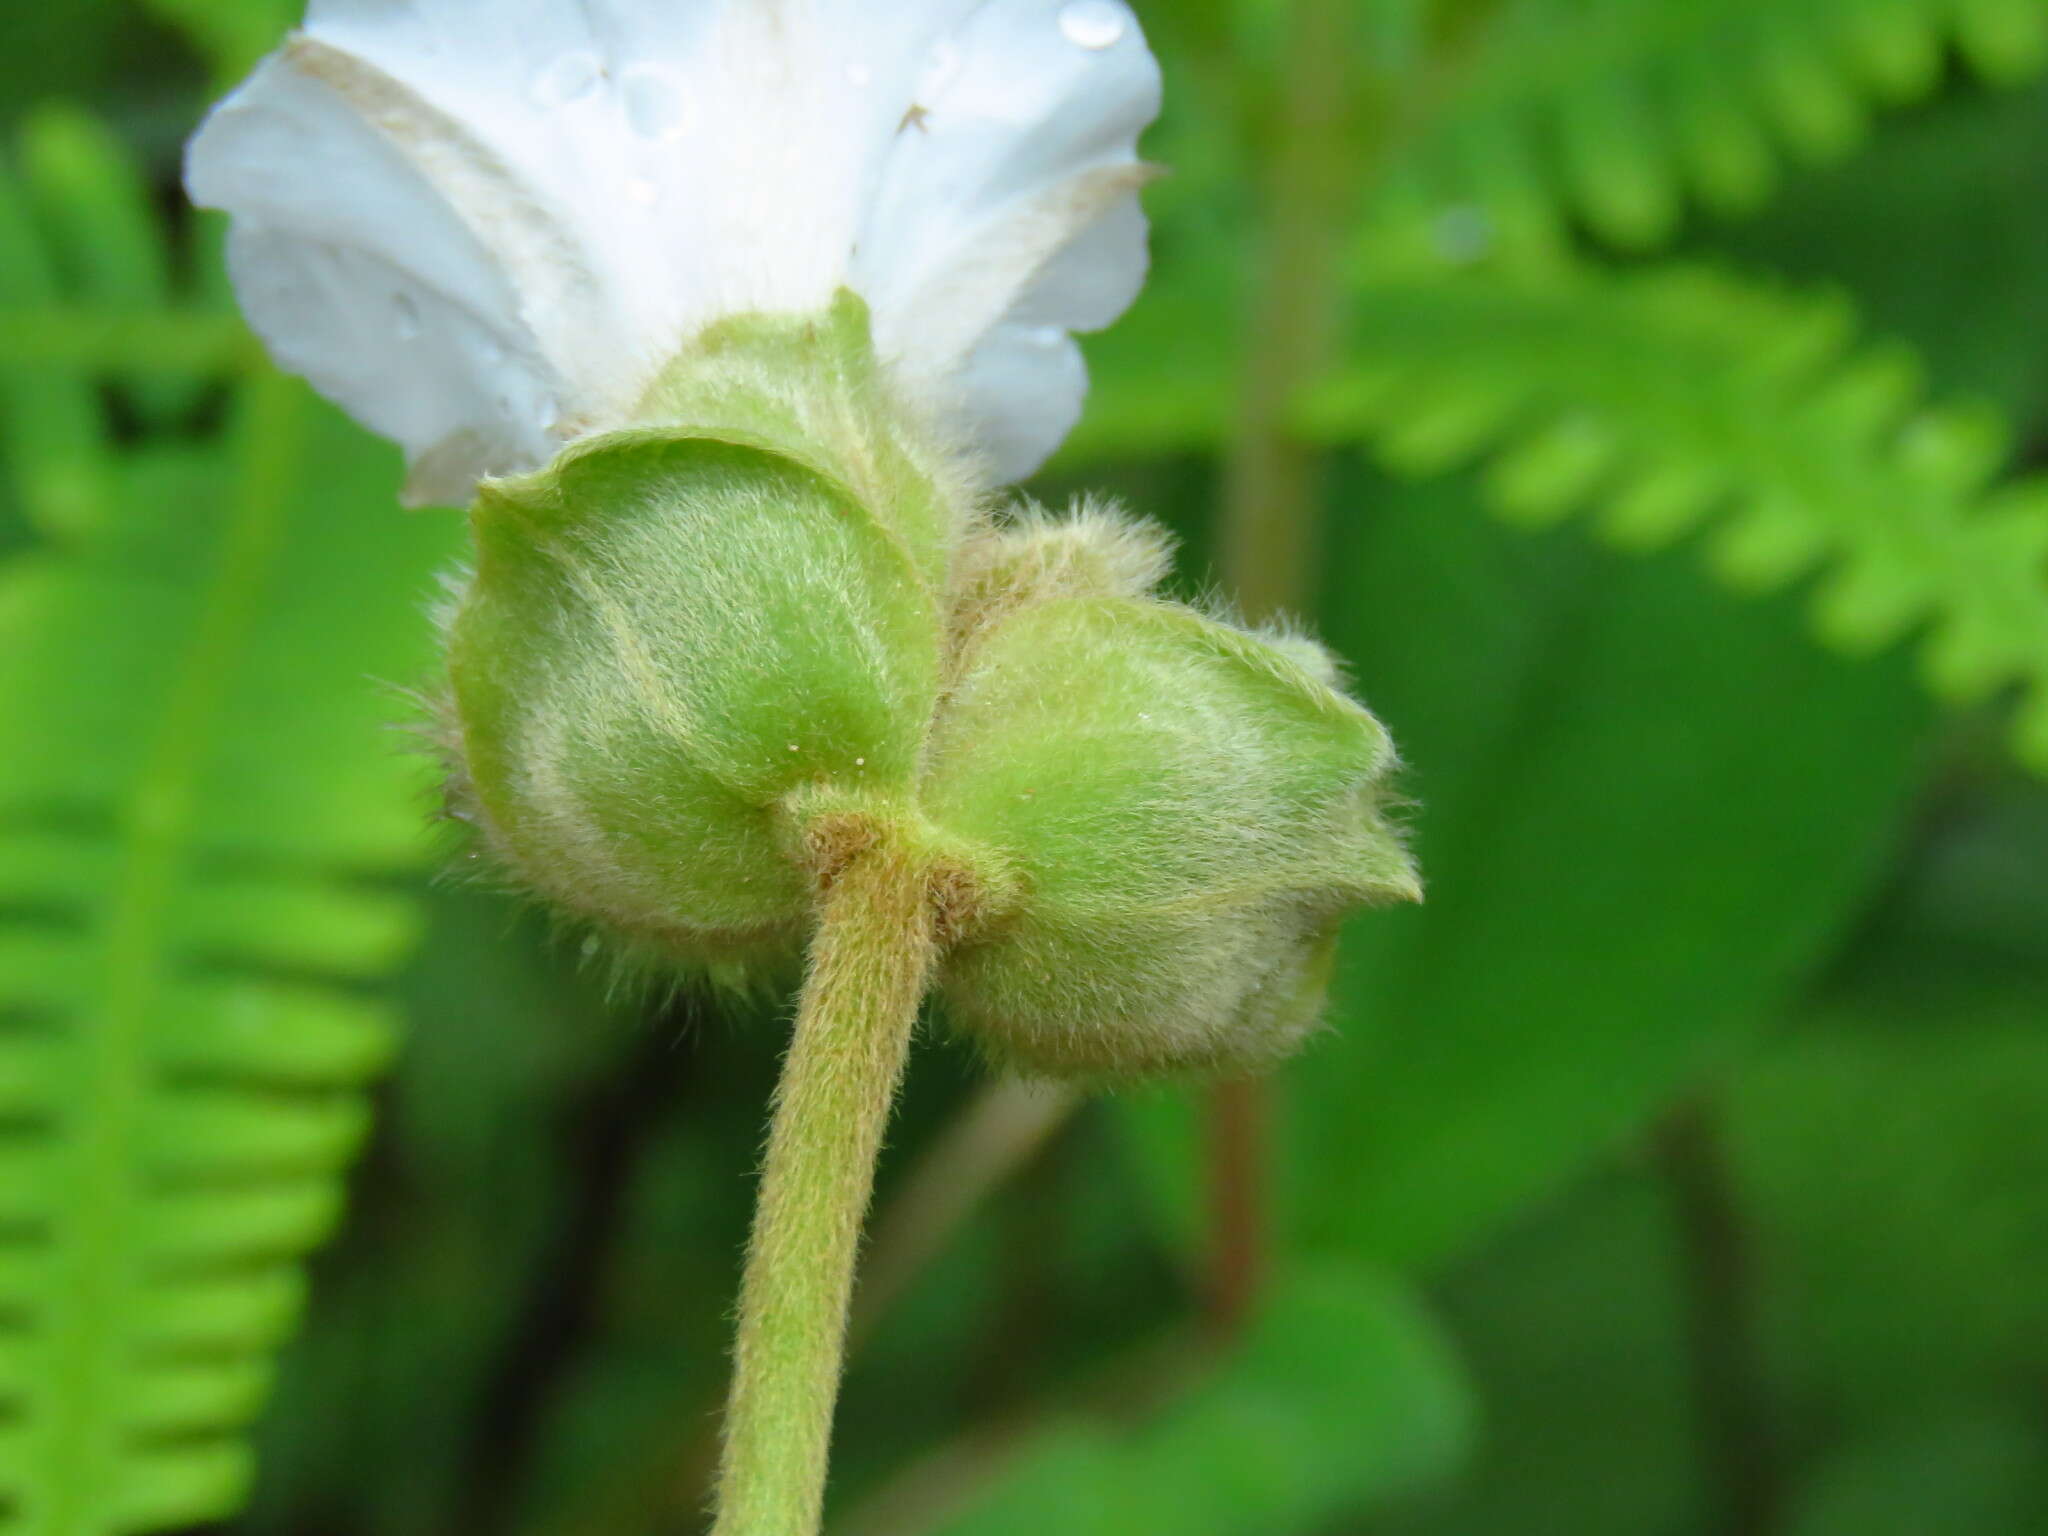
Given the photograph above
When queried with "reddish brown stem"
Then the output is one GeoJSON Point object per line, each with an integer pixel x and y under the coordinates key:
{"type": "Point", "coordinates": [1239, 1116]}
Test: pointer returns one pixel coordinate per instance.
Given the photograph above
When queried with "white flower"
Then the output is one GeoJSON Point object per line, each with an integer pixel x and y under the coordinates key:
{"type": "Point", "coordinates": [484, 226]}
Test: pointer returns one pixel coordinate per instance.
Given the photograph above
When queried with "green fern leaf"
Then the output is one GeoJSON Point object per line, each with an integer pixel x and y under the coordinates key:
{"type": "Point", "coordinates": [1617, 112]}
{"type": "Point", "coordinates": [71, 338]}
{"type": "Point", "coordinates": [1668, 400]}
{"type": "Point", "coordinates": [196, 814]}
{"type": "Point", "coordinates": [103, 234]}
{"type": "Point", "coordinates": [231, 34]}
{"type": "Point", "coordinates": [200, 819]}
{"type": "Point", "coordinates": [50, 426]}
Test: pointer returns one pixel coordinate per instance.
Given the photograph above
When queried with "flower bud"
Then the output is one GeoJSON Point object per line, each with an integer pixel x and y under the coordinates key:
{"type": "Point", "coordinates": [1188, 809]}
{"type": "Point", "coordinates": [668, 634]}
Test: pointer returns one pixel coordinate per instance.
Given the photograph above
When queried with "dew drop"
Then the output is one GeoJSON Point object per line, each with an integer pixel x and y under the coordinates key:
{"type": "Point", "coordinates": [1094, 24]}
{"type": "Point", "coordinates": [654, 104]}
{"type": "Point", "coordinates": [570, 78]}
{"type": "Point", "coordinates": [406, 319]}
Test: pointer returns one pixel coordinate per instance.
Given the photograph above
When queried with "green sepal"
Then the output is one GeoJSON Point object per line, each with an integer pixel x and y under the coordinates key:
{"type": "Point", "coordinates": [1189, 810]}
{"type": "Point", "coordinates": [809, 388]}
{"type": "Point", "coordinates": [667, 635]}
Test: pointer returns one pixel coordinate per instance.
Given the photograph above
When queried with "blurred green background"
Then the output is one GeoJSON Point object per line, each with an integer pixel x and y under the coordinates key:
{"type": "Point", "coordinates": [1642, 396]}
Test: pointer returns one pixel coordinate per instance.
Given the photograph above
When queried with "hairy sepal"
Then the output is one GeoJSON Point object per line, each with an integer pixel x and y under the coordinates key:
{"type": "Point", "coordinates": [809, 388]}
{"type": "Point", "coordinates": [667, 635]}
{"type": "Point", "coordinates": [1189, 808]}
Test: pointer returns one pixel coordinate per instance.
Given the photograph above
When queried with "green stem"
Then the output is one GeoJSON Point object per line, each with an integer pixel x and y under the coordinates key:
{"type": "Point", "coordinates": [1713, 1247]}
{"type": "Point", "coordinates": [871, 962]}
{"type": "Point", "coordinates": [1272, 494]}
{"type": "Point", "coordinates": [1271, 490]}
{"type": "Point", "coordinates": [1343, 116]}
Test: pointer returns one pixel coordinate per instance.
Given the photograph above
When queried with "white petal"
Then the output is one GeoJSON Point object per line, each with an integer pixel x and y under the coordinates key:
{"type": "Point", "coordinates": [484, 226]}
{"type": "Point", "coordinates": [359, 274]}
{"type": "Point", "coordinates": [1021, 390]}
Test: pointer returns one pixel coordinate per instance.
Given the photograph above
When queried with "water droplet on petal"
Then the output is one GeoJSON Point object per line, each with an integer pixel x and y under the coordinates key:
{"type": "Point", "coordinates": [1047, 336]}
{"type": "Point", "coordinates": [570, 78]}
{"type": "Point", "coordinates": [1094, 24]}
{"type": "Point", "coordinates": [654, 104]}
{"type": "Point", "coordinates": [406, 317]}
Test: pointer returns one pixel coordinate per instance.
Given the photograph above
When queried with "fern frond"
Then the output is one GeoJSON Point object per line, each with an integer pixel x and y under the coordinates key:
{"type": "Point", "coordinates": [199, 818]}
{"type": "Point", "coordinates": [230, 34]}
{"type": "Point", "coordinates": [102, 231]}
{"type": "Point", "coordinates": [52, 437]}
{"type": "Point", "coordinates": [185, 341]}
{"type": "Point", "coordinates": [192, 817]}
{"type": "Point", "coordinates": [1618, 111]}
{"type": "Point", "coordinates": [1665, 401]}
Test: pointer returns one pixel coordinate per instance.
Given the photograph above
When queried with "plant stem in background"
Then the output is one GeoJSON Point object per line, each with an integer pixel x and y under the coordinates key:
{"type": "Point", "coordinates": [940, 1485]}
{"type": "Point", "coordinates": [1271, 494]}
{"type": "Point", "coordinates": [556, 1320]}
{"type": "Point", "coordinates": [1002, 1128]}
{"type": "Point", "coordinates": [1738, 1465]}
{"type": "Point", "coordinates": [870, 964]}
{"type": "Point", "coordinates": [1266, 542]}
{"type": "Point", "coordinates": [1238, 1127]}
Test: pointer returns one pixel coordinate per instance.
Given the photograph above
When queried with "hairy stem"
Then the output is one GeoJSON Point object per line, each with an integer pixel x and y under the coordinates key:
{"type": "Point", "coordinates": [1004, 1127]}
{"type": "Point", "coordinates": [870, 964]}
